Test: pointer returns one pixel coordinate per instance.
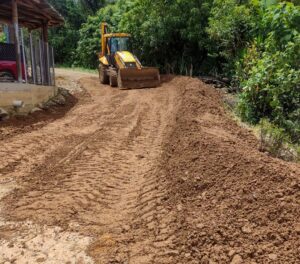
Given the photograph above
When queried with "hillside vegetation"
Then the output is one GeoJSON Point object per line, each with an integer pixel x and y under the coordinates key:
{"type": "Point", "coordinates": [256, 44]}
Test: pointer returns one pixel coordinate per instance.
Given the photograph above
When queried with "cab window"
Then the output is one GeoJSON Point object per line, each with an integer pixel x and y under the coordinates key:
{"type": "Point", "coordinates": [119, 44]}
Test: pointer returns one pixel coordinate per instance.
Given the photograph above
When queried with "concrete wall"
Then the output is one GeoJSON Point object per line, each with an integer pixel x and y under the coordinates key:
{"type": "Point", "coordinates": [30, 94]}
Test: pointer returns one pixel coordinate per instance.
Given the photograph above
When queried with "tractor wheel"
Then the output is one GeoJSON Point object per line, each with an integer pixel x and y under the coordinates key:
{"type": "Point", "coordinates": [119, 81]}
{"type": "Point", "coordinates": [104, 78]}
{"type": "Point", "coordinates": [113, 81]}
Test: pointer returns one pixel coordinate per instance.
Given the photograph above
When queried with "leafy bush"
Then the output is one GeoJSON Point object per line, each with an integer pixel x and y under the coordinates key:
{"type": "Point", "coordinates": [89, 44]}
{"type": "Point", "coordinates": [275, 141]}
{"type": "Point", "coordinates": [2, 37]}
{"type": "Point", "coordinates": [270, 71]}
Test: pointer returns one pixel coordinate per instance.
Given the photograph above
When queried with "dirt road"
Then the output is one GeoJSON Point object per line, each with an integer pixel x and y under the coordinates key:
{"type": "Point", "coordinates": [90, 175]}
{"type": "Point", "coordinates": [143, 176]}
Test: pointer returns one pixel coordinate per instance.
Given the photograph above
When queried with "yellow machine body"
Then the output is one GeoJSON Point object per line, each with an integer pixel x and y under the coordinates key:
{"type": "Point", "coordinates": [119, 67]}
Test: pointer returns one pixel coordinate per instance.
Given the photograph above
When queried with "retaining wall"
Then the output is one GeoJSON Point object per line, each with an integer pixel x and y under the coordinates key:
{"type": "Point", "coordinates": [30, 95]}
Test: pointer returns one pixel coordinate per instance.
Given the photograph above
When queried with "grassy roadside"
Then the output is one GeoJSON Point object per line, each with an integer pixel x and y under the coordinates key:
{"type": "Point", "coordinates": [273, 139]}
{"type": "Point", "coordinates": [80, 69]}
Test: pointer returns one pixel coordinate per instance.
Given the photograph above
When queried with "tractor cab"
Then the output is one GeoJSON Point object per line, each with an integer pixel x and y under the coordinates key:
{"type": "Point", "coordinates": [119, 44]}
{"type": "Point", "coordinates": [113, 43]}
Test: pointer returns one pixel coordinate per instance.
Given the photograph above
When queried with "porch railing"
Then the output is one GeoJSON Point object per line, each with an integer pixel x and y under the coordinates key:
{"type": "Point", "coordinates": [37, 59]}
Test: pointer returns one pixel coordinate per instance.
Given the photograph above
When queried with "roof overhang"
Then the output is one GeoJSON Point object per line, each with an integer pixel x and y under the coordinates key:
{"type": "Point", "coordinates": [32, 13]}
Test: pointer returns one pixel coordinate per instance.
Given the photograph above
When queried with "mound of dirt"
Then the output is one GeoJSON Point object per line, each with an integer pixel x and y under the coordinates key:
{"type": "Point", "coordinates": [234, 204]}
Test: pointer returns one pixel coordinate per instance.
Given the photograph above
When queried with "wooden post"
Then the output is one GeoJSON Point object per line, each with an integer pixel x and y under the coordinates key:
{"type": "Point", "coordinates": [42, 70]}
{"type": "Point", "coordinates": [48, 64]}
{"type": "Point", "coordinates": [32, 59]}
{"type": "Point", "coordinates": [11, 34]}
{"type": "Point", "coordinates": [24, 56]}
{"type": "Point", "coordinates": [46, 53]}
{"type": "Point", "coordinates": [53, 66]}
{"type": "Point", "coordinates": [6, 32]}
{"type": "Point", "coordinates": [17, 39]}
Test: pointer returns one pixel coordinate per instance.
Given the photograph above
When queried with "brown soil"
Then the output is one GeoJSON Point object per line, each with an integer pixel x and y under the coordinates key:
{"type": "Point", "coordinates": [232, 202]}
{"type": "Point", "coordinates": [25, 124]}
{"type": "Point", "coordinates": [143, 176]}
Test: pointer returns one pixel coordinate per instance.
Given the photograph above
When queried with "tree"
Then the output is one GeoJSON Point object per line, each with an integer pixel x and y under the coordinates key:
{"type": "Point", "coordinates": [92, 6]}
{"type": "Point", "coordinates": [64, 39]}
{"type": "Point", "coordinates": [231, 27]}
{"type": "Point", "coordinates": [89, 34]}
{"type": "Point", "coordinates": [270, 71]}
{"type": "Point", "coordinates": [169, 34]}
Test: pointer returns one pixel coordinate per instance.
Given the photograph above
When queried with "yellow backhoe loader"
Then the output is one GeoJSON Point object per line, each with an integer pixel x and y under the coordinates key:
{"type": "Point", "coordinates": [119, 67]}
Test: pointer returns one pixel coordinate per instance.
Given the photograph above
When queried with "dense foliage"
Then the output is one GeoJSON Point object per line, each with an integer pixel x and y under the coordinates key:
{"type": "Point", "coordinates": [253, 42]}
{"type": "Point", "coordinates": [231, 28]}
{"type": "Point", "coordinates": [89, 34]}
{"type": "Point", "coordinates": [64, 39]}
{"type": "Point", "coordinates": [270, 71]}
{"type": "Point", "coordinates": [168, 34]}
{"type": "Point", "coordinates": [173, 34]}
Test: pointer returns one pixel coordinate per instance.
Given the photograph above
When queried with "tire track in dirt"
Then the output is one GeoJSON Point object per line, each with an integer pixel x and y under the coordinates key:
{"type": "Point", "coordinates": [94, 173]}
{"type": "Point", "coordinates": [22, 153]}
{"type": "Point", "coordinates": [146, 176]}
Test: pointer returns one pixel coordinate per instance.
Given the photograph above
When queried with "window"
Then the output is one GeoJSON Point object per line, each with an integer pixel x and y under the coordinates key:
{"type": "Point", "coordinates": [119, 44]}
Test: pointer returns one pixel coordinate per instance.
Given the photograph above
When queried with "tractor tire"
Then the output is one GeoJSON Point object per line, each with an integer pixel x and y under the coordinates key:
{"type": "Point", "coordinates": [119, 81]}
{"type": "Point", "coordinates": [103, 77]}
{"type": "Point", "coordinates": [113, 81]}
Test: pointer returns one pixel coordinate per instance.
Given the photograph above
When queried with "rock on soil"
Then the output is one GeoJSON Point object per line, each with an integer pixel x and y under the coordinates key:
{"type": "Point", "coordinates": [237, 259]}
{"type": "Point", "coordinates": [35, 110]}
{"type": "Point", "coordinates": [3, 114]}
{"type": "Point", "coordinates": [59, 99]}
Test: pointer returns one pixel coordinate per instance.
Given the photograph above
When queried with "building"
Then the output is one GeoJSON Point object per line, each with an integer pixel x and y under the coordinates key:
{"type": "Point", "coordinates": [31, 61]}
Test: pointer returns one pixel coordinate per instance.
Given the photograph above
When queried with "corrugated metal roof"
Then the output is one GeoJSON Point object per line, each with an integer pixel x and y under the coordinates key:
{"type": "Point", "coordinates": [32, 13]}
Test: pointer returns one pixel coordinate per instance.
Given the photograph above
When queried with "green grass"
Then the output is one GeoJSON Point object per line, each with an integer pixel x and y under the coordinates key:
{"type": "Point", "coordinates": [272, 139]}
{"type": "Point", "coordinates": [81, 69]}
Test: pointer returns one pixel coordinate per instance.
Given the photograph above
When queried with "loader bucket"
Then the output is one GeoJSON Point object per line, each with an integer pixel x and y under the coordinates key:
{"type": "Point", "coordinates": [138, 78]}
